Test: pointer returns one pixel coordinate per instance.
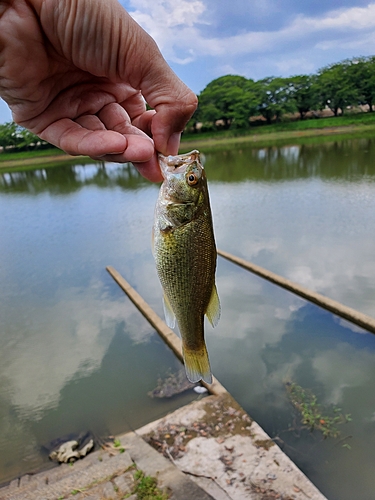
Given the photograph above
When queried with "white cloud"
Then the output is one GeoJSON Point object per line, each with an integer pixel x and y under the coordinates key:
{"type": "Point", "coordinates": [66, 344]}
{"type": "Point", "coordinates": [355, 18]}
{"type": "Point", "coordinates": [169, 13]}
{"type": "Point", "coordinates": [176, 27]}
{"type": "Point", "coordinates": [172, 24]}
{"type": "Point", "coordinates": [328, 370]}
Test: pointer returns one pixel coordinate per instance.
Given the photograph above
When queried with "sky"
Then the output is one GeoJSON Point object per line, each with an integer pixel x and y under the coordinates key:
{"type": "Point", "coordinates": [205, 39]}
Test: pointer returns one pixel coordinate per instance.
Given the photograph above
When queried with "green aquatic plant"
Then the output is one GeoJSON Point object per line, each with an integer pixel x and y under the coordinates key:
{"type": "Point", "coordinates": [315, 416]}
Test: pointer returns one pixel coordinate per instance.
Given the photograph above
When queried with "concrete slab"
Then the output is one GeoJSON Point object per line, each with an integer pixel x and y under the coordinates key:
{"type": "Point", "coordinates": [169, 477]}
{"type": "Point", "coordinates": [214, 441]}
{"type": "Point", "coordinates": [210, 449]}
{"type": "Point", "coordinates": [106, 475]}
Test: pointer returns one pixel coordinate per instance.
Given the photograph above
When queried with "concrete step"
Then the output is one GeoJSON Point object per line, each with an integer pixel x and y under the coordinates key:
{"type": "Point", "coordinates": [106, 475]}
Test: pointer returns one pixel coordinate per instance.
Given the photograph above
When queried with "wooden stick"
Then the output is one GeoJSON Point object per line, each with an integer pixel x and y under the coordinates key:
{"type": "Point", "coordinates": [356, 317]}
{"type": "Point", "coordinates": [168, 335]}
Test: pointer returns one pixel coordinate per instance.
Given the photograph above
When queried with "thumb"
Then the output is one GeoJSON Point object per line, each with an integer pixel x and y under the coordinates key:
{"type": "Point", "coordinates": [172, 100]}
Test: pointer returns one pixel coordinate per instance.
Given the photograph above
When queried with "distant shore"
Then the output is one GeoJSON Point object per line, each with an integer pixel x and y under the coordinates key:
{"type": "Point", "coordinates": [261, 137]}
{"type": "Point", "coordinates": [278, 137]}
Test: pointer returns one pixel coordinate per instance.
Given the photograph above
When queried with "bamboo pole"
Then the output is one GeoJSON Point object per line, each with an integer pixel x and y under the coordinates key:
{"type": "Point", "coordinates": [356, 317]}
{"type": "Point", "coordinates": [168, 335]}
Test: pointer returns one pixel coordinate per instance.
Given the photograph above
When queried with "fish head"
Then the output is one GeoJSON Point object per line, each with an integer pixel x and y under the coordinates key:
{"type": "Point", "coordinates": [184, 178]}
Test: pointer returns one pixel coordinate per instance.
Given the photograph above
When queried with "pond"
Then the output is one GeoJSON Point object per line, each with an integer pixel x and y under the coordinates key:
{"type": "Point", "coordinates": [76, 355]}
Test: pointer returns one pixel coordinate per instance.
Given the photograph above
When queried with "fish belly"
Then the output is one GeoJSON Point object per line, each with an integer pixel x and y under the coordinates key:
{"type": "Point", "coordinates": [186, 261]}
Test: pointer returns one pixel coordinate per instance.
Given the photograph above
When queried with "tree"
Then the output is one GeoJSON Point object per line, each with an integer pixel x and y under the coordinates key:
{"type": "Point", "coordinates": [229, 99]}
{"type": "Point", "coordinates": [304, 93]}
{"type": "Point", "coordinates": [8, 135]}
{"type": "Point", "coordinates": [336, 89]}
{"type": "Point", "coordinates": [361, 73]}
{"type": "Point", "coordinates": [275, 98]}
{"type": "Point", "coordinates": [15, 137]}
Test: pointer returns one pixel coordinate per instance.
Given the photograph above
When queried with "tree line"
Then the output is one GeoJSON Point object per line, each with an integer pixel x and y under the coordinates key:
{"type": "Point", "coordinates": [234, 102]}
{"type": "Point", "coordinates": [14, 138]}
{"type": "Point", "coordinates": [231, 101]}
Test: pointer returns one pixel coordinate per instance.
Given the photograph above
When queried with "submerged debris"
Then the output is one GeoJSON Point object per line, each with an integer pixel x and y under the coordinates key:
{"type": "Point", "coordinates": [70, 452]}
{"type": "Point", "coordinates": [173, 384]}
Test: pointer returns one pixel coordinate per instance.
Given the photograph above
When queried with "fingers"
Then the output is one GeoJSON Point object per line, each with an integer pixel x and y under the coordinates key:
{"type": "Point", "coordinates": [90, 122]}
{"type": "Point", "coordinates": [141, 63]}
{"type": "Point", "coordinates": [140, 147]}
{"type": "Point", "coordinates": [150, 169]}
{"type": "Point", "coordinates": [75, 139]}
{"type": "Point", "coordinates": [170, 120]}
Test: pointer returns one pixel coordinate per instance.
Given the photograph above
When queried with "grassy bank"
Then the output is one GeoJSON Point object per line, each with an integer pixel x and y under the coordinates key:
{"type": "Point", "coordinates": [355, 125]}
{"type": "Point", "coordinates": [292, 132]}
{"type": "Point", "coordinates": [38, 153]}
{"type": "Point", "coordinates": [33, 159]}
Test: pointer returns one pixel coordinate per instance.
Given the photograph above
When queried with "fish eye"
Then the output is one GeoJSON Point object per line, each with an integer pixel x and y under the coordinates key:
{"type": "Point", "coordinates": [192, 179]}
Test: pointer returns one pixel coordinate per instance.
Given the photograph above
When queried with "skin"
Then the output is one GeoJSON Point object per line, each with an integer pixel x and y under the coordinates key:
{"type": "Point", "coordinates": [74, 73]}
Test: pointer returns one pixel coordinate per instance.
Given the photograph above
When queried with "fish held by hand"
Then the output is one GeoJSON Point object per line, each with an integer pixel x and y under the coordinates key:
{"type": "Point", "coordinates": [185, 255]}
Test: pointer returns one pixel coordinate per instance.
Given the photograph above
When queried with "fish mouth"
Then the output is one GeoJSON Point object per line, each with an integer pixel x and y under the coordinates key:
{"type": "Point", "coordinates": [173, 163]}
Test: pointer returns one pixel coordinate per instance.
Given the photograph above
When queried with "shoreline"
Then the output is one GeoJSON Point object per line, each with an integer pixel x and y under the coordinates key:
{"type": "Point", "coordinates": [346, 131]}
{"type": "Point", "coordinates": [260, 140]}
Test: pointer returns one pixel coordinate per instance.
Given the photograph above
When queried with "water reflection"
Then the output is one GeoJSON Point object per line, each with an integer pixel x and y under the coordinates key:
{"type": "Point", "coordinates": [70, 178]}
{"type": "Point", "coordinates": [76, 355]}
{"type": "Point", "coordinates": [268, 337]}
{"type": "Point", "coordinates": [346, 160]}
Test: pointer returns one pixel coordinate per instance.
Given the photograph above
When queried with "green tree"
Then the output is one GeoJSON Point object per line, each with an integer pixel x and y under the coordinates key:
{"type": "Point", "coordinates": [14, 137]}
{"type": "Point", "coordinates": [229, 98]}
{"type": "Point", "coordinates": [8, 135]}
{"type": "Point", "coordinates": [245, 105]}
{"type": "Point", "coordinates": [304, 93]}
{"type": "Point", "coordinates": [361, 74]}
{"type": "Point", "coordinates": [275, 98]}
{"type": "Point", "coordinates": [335, 87]}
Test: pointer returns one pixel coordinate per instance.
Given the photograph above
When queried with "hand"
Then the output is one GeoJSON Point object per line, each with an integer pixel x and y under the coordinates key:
{"type": "Point", "coordinates": [75, 72]}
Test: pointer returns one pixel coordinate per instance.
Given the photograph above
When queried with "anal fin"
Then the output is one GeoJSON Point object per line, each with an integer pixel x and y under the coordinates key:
{"type": "Point", "coordinates": [170, 318]}
{"type": "Point", "coordinates": [213, 309]}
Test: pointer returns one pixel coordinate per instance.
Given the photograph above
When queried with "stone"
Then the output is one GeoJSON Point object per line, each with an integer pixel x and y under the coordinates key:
{"type": "Point", "coordinates": [124, 483]}
{"type": "Point", "coordinates": [108, 490]}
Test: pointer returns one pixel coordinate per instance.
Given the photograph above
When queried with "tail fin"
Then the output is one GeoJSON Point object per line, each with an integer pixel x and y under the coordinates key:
{"type": "Point", "coordinates": [197, 365]}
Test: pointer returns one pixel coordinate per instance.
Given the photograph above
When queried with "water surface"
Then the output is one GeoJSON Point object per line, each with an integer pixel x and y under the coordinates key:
{"type": "Point", "coordinates": [76, 355]}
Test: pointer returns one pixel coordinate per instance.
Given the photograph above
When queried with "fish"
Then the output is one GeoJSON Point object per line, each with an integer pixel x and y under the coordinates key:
{"type": "Point", "coordinates": [185, 255]}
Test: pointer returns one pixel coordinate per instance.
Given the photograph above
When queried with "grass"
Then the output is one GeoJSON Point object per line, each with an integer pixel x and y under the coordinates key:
{"type": "Point", "coordinates": [356, 119]}
{"type": "Point", "coordinates": [146, 487]}
{"type": "Point", "coordinates": [316, 129]}
{"type": "Point", "coordinates": [351, 125]}
{"type": "Point", "coordinates": [117, 444]}
{"type": "Point", "coordinates": [21, 155]}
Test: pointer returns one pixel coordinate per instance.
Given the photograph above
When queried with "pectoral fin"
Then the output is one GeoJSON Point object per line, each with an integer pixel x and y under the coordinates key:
{"type": "Point", "coordinates": [170, 318]}
{"type": "Point", "coordinates": [213, 309]}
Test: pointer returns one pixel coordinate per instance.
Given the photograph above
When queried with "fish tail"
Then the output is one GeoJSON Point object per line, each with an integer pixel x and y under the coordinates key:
{"type": "Point", "coordinates": [197, 365]}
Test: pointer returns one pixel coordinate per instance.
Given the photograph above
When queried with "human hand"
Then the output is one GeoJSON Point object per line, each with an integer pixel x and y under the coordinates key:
{"type": "Point", "coordinates": [74, 72]}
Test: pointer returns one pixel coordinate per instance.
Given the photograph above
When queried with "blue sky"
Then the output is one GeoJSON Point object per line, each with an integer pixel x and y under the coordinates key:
{"type": "Point", "coordinates": [205, 39]}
